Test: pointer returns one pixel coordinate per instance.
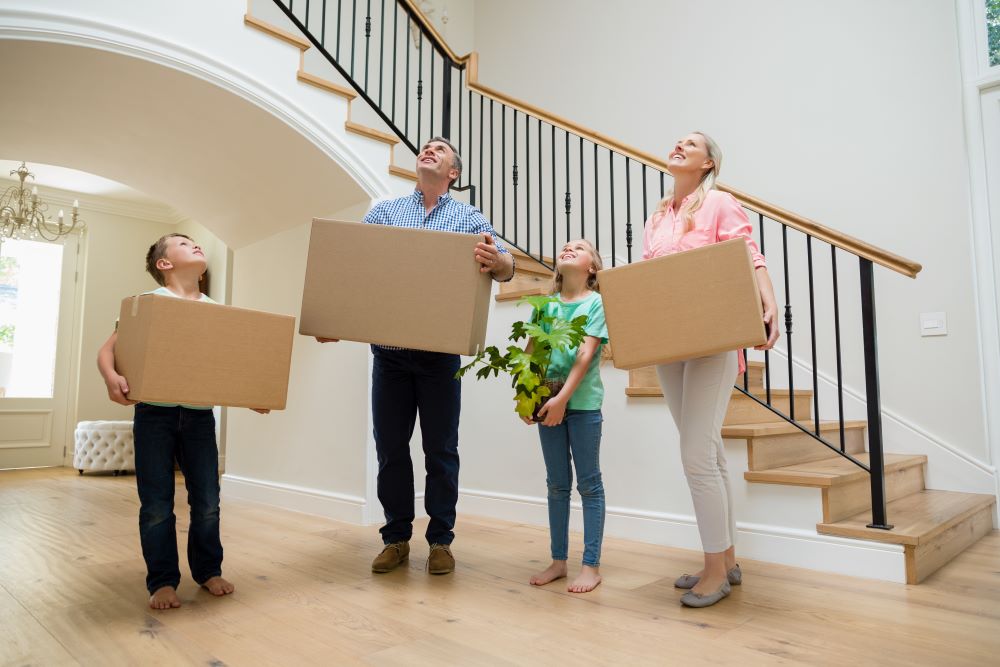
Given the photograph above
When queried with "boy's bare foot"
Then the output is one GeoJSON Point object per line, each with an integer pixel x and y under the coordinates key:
{"type": "Point", "coordinates": [586, 581]}
{"type": "Point", "coordinates": [218, 586]}
{"type": "Point", "coordinates": [164, 598]}
{"type": "Point", "coordinates": [555, 571]}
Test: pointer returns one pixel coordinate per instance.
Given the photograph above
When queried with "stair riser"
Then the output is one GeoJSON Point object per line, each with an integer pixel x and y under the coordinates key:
{"type": "Point", "coordinates": [924, 559]}
{"type": "Point", "coordinates": [743, 410]}
{"type": "Point", "coordinates": [843, 501]}
{"type": "Point", "coordinates": [775, 451]}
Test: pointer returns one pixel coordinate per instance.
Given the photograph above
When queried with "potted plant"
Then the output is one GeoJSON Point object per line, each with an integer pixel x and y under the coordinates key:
{"type": "Point", "coordinates": [528, 369]}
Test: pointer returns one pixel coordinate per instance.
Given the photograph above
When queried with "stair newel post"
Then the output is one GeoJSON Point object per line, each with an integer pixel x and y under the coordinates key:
{"type": "Point", "coordinates": [876, 458]}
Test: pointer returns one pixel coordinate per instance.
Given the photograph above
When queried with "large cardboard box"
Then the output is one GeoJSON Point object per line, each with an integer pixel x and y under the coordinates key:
{"type": "Point", "coordinates": [681, 306]}
{"type": "Point", "coordinates": [181, 351]}
{"type": "Point", "coordinates": [395, 286]}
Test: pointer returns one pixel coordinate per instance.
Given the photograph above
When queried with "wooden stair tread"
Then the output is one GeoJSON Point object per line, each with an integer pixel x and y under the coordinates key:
{"type": "Point", "coordinates": [403, 173]}
{"type": "Point", "coordinates": [517, 294]}
{"type": "Point", "coordinates": [829, 472]}
{"type": "Point", "coordinates": [916, 518]}
{"type": "Point", "coordinates": [775, 393]}
{"type": "Point", "coordinates": [275, 31]}
{"type": "Point", "coordinates": [330, 86]}
{"type": "Point", "coordinates": [372, 133]}
{"type": "Point", "coordinates": [524, 263]}
{"type": "Point", "coordinates": [784, 428]}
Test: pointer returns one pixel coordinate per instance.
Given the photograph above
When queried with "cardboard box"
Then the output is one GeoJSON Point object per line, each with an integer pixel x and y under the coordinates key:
{"type": "Point", "coordinates": [682, 306]}
{"type": "Point", "coordinates": [181, 351]}
{"type": "Point", "coordinates": [395, 286]}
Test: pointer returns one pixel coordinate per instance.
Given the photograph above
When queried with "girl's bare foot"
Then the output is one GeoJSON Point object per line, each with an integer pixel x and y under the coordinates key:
{"type": "Point", "coordinates": [218, 586]}
{"type": "Point", "coordinates": [555, 571]}
{"type": "Point", "coordinates": [586, 581]}
{"type": "Point", "coordinates": [164, 598]}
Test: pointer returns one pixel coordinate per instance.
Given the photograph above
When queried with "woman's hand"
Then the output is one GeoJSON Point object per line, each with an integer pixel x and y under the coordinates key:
{"type": "Point", "coordinates": [553, 411]}
{"type": "Point", "coordinates": [770, 307]}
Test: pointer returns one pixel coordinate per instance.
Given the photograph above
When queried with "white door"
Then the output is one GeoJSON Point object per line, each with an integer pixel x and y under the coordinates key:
{"type": "Point", "coordinates": [37, 308]}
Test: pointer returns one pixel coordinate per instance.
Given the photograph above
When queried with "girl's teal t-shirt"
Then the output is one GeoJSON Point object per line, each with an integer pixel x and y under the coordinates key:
{"type": "Point", "coordinates": [589, 394]}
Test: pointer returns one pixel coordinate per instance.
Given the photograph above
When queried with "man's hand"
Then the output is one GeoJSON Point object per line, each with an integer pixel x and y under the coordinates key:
{"type": "Point", "coordinates": [117, 390]}
{"type": "Point", "coordinates": [487, 254]}
{"type": "Point", "coordinates": [320, 339]}
{"type": "Point", "coordinates": [553, 411]}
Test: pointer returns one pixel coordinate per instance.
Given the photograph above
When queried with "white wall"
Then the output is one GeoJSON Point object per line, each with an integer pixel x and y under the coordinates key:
{"type": "Point", "coordinates": [312, 455]}
{"type": "Point", "coordinates": [850, 115]}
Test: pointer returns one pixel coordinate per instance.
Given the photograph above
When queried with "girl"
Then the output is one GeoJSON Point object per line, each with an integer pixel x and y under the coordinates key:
{"type": "Point", "coordinates": [571, 419]}
{"type": "Point", "coordinates": [698, 390]}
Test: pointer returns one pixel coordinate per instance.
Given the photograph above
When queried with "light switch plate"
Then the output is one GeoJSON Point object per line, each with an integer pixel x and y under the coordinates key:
{"type": "Point", "coordinates": [933, 324]}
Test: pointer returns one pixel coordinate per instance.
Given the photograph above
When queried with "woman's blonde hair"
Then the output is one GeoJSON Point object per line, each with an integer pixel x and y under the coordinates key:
{"type": "Point", "coordinates": [687, 211]}
{"type": "Point", "coordinates": [595, 263]}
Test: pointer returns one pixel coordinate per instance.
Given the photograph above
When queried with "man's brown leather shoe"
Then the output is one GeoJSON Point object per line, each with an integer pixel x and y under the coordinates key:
{"type": "Point", "coordinates": [392, 555]}
{"type": "Point", "coordinates": [440, 560]}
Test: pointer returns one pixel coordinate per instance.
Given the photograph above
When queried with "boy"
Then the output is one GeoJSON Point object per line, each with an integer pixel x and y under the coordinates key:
{"type": "Point", "coordinates": [165, 432]}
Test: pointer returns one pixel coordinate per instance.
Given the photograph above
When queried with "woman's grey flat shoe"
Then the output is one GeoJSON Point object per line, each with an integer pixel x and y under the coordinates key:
{"type": "Point", "coordinates": [692, 599]}
{"type": "Point", "coordinates": [688, 581]}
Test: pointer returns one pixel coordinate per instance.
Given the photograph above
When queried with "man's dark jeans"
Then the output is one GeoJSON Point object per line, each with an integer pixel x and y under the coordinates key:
{"type": "Point", "coordinates": [406, 383]}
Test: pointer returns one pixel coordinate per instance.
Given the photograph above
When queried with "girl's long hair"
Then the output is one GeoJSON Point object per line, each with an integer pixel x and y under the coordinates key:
{"type": "Point", "coordinates": [687, 211]}
{"type": "Point", "coordinates": [595, 263]}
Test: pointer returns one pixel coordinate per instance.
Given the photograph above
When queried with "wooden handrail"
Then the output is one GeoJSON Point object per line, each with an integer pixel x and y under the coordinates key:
{"type": "Point", "coordinates": [882, 257]}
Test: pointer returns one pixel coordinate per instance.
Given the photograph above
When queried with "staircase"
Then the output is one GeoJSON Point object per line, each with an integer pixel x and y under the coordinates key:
{"type": "Point", "coordinates": [864, 493]}
{"type": "Point", "coordinates": [933, 526]}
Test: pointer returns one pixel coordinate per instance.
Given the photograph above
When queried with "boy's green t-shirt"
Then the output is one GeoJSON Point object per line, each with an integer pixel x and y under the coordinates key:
{"type": "Point", "coordinates": [163, 291]}
{"type": "Point", "coordinates": [589, 394]}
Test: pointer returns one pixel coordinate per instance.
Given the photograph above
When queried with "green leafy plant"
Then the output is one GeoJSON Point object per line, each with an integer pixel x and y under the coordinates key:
{"type": "Point", "coordinates": [6, 335]}
{"type": "Point", "coordinates": [528, 369]}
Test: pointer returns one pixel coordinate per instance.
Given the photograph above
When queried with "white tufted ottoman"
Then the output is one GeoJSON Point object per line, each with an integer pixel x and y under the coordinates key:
{"type": "Point", "coordinates": [104, 445]}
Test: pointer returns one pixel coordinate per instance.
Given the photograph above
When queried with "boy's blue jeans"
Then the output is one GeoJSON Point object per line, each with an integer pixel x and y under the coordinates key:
{"type": "Point", "coordinates": [406, 383]}
{"type": "Point", "coordinates": [578, 437]}
{"type": "Point", "coordinates": [161, 436]}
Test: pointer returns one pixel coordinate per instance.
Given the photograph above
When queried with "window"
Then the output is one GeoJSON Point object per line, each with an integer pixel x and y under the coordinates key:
{"type": "Point", "coordinates": [30, 280]}
{"type": "Point", "coordinates": [993, 31]}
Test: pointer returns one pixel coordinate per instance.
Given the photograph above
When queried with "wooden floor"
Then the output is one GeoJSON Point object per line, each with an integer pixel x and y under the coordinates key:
{"type": "Point", "coordinates": [72, 592]}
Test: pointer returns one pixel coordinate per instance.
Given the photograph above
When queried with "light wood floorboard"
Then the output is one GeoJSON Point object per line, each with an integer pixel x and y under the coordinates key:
{"type": "Point", "coordinates": [72, 592]}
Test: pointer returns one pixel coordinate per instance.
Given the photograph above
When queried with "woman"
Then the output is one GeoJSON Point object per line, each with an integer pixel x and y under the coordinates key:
{"type": "Point", "coordinates": [698, 390]}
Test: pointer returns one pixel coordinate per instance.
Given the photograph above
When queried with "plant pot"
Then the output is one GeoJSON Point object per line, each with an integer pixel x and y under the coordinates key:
{"type": "Point", "coordinates": [555, 385]}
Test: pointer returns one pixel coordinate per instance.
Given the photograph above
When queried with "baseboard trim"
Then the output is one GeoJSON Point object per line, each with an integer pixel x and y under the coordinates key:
{"type": "Point", "coordinates": [337, 506]}
{"type": "Point", "coordinates": [773, 544]}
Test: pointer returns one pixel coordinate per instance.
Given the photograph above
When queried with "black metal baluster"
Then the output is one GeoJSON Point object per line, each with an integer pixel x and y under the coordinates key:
{"type": "Point", "coordinates": [836, 335]}
{"type": "Point", "coordinates": [611, 178]}
{"type": "Point", "coordinates": [583, 232]}
{"type": "Point", "coordinates": [774, 323]}
{"type": "Point", "coordinates": [569, 199]}
{"type": "Point", "coordinates": [662, 185]}
{"type": "Point", "coordinates": [322, 27]}
{"type": "Point", "coordinates": [381, 52]}
{"type": "Point", "coordinates": [307, 14]}
{"type": "Point", "coordinates": [339, 24]}
{"type": "Point", "coordinates": [459, 109]}
{"type": "Point", "coordinates": [527, 184]}
{"type": "Point", "coordinates": [430, 116]}
{"type": "Point", "coordinates": [514, 144]}
{"type": "Point", "coordinates": [406, 95]}
{"type": "Point", "coordinates": [354, 32]}
{"type": "Point", "coordinates": [645, 198]}
{"type": "Point", "coordinates": [597, 204]}
{"type": "Point", "coordinates": [420, 84]}
{"type": "Point", "coordinates": [876, 459]}
{"type": "Point", "coordinates": [480, 140]}
{"type": "Point", "coordinates": [368, 40]}
{"type": "Point", "coordinates": [470, 119]}
{"type": "Point", "coordinates": [541, 199]}
{"type": "Point", "coordinates": [395, 45]}
{"type": "Point", "coordinates": [493, 169]}
{"type": "Point", "coordinates": [788, 324]}
{"type": "Point", "coordinates": [812, 324]}
{"type": "Point", "coordinates": [553, 145]}
{"type": "Point", "coordinates": [503, 165]}
{"type": "Point", "coordinates": [628, 209]}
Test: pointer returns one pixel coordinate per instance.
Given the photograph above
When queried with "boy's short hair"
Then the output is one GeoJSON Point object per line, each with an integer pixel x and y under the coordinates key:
{"type": "Point", "coordinates": [156, 252]}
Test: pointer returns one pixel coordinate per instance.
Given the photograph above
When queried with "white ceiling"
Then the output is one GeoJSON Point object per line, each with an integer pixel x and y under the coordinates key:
{"type": "Point", "coordinates": [51, 176]}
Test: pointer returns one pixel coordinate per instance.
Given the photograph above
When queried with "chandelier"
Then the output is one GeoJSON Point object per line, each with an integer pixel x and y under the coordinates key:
{"type": "Point", "coordinates": [22, 213]}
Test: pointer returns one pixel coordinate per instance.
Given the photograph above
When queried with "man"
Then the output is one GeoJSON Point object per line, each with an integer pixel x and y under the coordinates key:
{"type": "Point", "coordinates": [410, 382]}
